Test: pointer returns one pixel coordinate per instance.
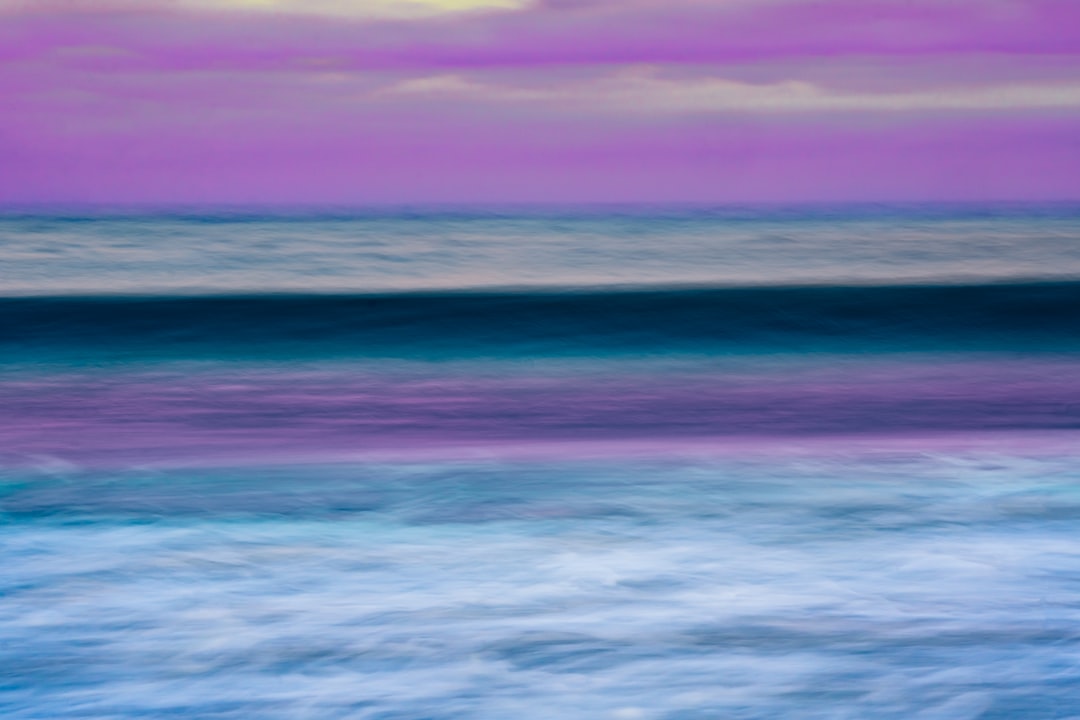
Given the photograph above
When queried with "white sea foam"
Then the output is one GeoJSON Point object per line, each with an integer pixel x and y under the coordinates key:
{"type": "Point", "coordinates": [910, 586]}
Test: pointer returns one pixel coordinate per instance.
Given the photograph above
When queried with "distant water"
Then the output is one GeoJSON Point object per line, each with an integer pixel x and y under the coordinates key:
{"type": "Point", "coordinates": [678, 463]}
{"type": "Point", "coordinates": [421, 249]}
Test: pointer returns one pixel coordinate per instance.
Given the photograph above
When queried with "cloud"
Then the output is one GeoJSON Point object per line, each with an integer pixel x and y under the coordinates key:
{"type": "Point", "coordinates": [556, 99]}
{"type": "Point", "coordinates": [194, 34]}
{"type": "Point", "coordinates": [403, 9]}
{"type": "Point", "coordinates": [644, 91]}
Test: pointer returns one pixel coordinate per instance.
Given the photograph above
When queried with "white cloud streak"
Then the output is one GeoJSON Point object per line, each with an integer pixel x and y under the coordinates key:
{"type": "Point", "coordinates": [644, 91]}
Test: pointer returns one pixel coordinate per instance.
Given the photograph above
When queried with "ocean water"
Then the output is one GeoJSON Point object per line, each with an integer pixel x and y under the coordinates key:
{"type": "Point", "coordinates": [607, 462]}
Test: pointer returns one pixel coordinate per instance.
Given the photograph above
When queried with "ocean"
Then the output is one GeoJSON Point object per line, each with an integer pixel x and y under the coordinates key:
{"type": "Point", "coordinates": [627, 462]}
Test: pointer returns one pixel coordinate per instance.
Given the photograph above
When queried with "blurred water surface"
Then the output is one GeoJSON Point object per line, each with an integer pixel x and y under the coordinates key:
{"type": "Point", "coordinates": [373, 250]}
{"type": "Point", "coordinates": [626, 463]}
{"type": "Point", "coordinates": [897, 585]}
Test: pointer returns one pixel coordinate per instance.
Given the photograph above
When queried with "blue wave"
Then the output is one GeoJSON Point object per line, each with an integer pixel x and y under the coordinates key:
{"type": "Point", "coordinates": [1019, 316]}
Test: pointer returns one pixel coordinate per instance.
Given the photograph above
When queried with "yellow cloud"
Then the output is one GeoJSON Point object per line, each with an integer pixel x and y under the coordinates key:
{"type": "Point", "coordinates": [358, 8]}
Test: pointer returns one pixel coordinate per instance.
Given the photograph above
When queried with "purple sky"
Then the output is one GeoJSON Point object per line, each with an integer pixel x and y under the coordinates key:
{"type": "Point", "coordinates": [362, 101]}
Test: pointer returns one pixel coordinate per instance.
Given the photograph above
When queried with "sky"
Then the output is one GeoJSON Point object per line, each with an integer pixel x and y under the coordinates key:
{"type": "Point", "coordinates": [478, 101]}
